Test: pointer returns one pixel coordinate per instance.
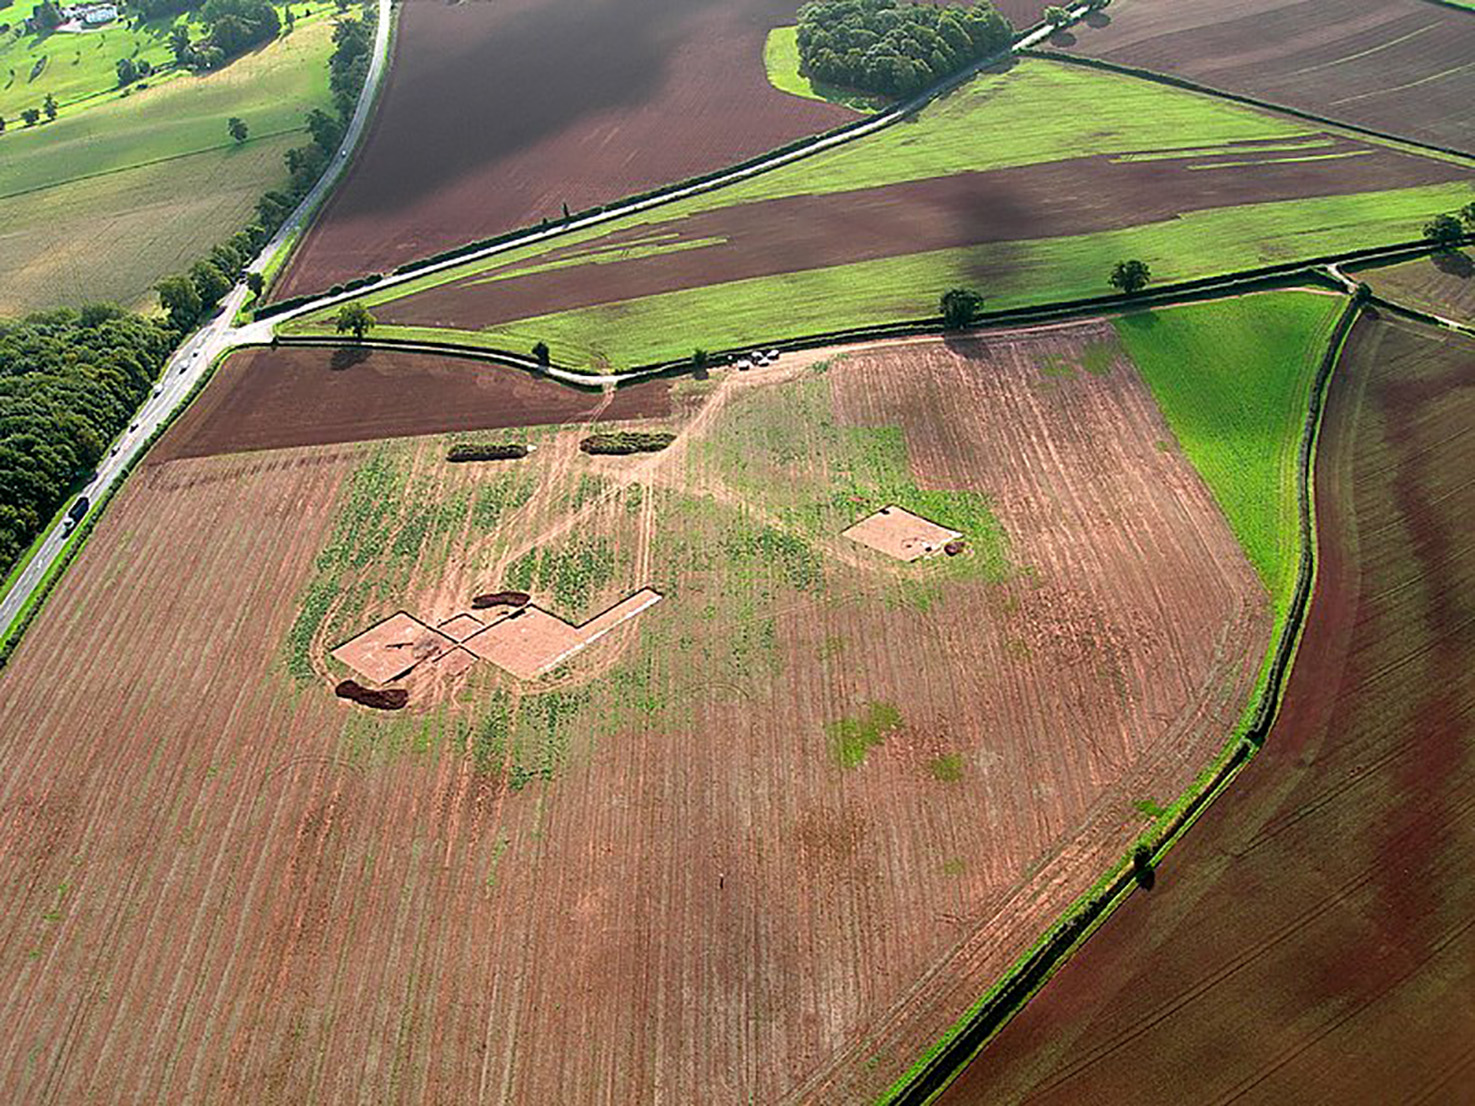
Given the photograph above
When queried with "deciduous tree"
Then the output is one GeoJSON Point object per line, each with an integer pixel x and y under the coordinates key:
{"type": "Point", "coordinates": [356, 318]}
{"type": "Point", "coordinates": [1130, 276]}
{"type": "Point", "coordinates": [960, 306]}
{"type": "Point", "coordinates": [1445, 231]}
{"type": "Point", "coordinates": [181, 299]}
{"type": "Point", "coordinates": [238, 128]}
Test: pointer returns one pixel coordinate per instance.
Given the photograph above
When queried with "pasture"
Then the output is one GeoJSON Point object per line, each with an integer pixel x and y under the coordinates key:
{"type": "Point", "coordinates": [944, 751]}
{"type": "Point", "coordinates": [1324, 901]}
{"type": "Point", "coordinates": [875, 231]}
{"type": "Point", "coordinates": [102, 203]}
{"type": "Point", "coordinates": [1403, 67]}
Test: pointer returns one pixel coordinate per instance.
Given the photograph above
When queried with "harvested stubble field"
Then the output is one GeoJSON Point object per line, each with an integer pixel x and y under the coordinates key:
{"type": "Point", "coordinates": [871, 232]}
{"type": "Point", "coordinates": [496, 115]}
{"type": "Point", "coordinates": [276, 398]}
{"type": "Point", "coordinates": [1404, 67]}
{"type": "Point", "coordinates": [1443, 284]}
{"type": "Point", "coordinates": [219, 888]}
{"type": "Point", "coordinates": [1313, 931]}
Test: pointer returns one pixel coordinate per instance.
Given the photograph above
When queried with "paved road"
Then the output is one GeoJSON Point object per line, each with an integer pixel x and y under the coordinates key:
{"type": "Point", "coordinates": [194, 357]}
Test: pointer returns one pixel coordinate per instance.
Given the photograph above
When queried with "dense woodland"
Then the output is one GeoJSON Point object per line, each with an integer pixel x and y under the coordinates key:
{"type": "Point", "coordinates": [69, 382]}
{"type": "Point", "coordinates": [893, 47]}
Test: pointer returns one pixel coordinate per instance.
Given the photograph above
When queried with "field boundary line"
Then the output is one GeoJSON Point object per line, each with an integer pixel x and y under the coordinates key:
{"type": "Point", "coordinates": [152, 161]}
{"type": "Point", "coordinates": [798, 150]}
{"type": "Point", "coordinates": [1047, 54]}
{"type": "Point", "coordinates": [946, 1059]}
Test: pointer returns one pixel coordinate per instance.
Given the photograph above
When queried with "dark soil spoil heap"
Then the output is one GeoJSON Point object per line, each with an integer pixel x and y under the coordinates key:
{"type": "Point", "coordinates": [389, 698]}
{"type": "Point", "coordinates": [501, 599]}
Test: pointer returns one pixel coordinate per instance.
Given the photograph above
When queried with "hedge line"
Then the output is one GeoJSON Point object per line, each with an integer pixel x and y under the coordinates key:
{"type": "Point", "coordinates": [967, 1037]}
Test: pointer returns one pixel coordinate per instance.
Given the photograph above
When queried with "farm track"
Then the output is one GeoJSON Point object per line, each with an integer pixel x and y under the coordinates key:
{"type": "Point", "coordinates": [1323, 899]}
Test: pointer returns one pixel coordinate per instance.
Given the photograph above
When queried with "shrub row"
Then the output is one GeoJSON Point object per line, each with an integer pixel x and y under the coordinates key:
{"type": "Point", "coordinates": [622, 442]}
{"type": "Point", "coordinates": [486, 451]}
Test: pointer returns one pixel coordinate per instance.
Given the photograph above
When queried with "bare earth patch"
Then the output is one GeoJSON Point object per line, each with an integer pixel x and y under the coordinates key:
{"type": "Point", "coordinates": [390, 649]}
{"type": "Point", "coordinates": [898, 533]}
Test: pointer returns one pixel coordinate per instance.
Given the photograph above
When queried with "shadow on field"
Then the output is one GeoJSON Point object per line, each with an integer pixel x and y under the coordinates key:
{"type": "Point", "coordinates": [346, 357]}
{"type": "Point", "coordinates": [1097, 20]}
{"type": "Point", "coordinates": [460, 69]}
{"type": "Point", "coordinates": [1455, 263]}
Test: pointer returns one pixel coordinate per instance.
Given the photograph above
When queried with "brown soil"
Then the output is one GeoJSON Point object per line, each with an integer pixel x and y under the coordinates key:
{"type": "Point", "coordinates": [1442, 285]}
{"type": "Point", "coordinates": [275, 398]}
{"type": "Point", "coordinates": [899, 533]}
{"type": "Point", "coordinates": [389, 649]}
{"type": "Point", "coordinates": [245, 891]}
{"type": "Point", "coordinates": [388, 698]}
{"type": "Point", "coordinates": [1311, 940]}
{"type": "Point", "coordinates": [1405, 67]}
{"type": "Point", "coordinates": [495, 115]}
{"type": "Point", "coordinates": [796, 233]}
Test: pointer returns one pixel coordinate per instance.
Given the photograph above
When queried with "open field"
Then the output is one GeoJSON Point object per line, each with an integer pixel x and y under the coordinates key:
{"type": "Point", "coordinates": [271, 399]}
{"type": "Point", "coordinates": [102, 203]}
{"type": "Point", "coordinates": [475, 136]}
{"type": "Point", "coordinates": [874, 231]}
{"type": "Point", "coordinates": [1443, 284]}
{"type": "Point", "coordinates": [1404, 67]}
{"type": "Point", "coordinates": [1313, 933]}
{"type": "Point", "coordinates": [221, 877]}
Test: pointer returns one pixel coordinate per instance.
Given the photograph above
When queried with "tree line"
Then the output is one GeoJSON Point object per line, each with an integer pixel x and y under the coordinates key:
{"type": "Point", "coordinates": [186, 297]}
{"type": "Point", "coordinates": [894, 47]}
{"type": "Point", "coordinates": [69, 382]}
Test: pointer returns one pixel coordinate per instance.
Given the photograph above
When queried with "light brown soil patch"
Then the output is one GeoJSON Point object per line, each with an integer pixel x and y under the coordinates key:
{"type": "Point", "coordinates": [455, 662]}
{"type": "Point", "coordinates": [461, 626]}
{"type": "Point", "coordinates": [899, 533]}
{"type": "Point", "coordinates": [390, 649]}
{"type": "Point", "coordinates": [530, 641]}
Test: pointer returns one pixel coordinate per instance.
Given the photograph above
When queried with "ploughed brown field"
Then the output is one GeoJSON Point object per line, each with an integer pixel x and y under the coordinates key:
{"type": "Point", "coordinates": [276, 398]}
{"type": "Point", "coordinates": [1053, 199]}
{"type": "Point", "coordinates": [1405, 67]}
{"type": "Point", "coordinates": [1443, 284]}
{"type": "Point", "coordinates": [1313, 938]}
{"type": "Point", "coordinates": [495, 115]}
{"type": "Point", "coordinates": [763, 842]}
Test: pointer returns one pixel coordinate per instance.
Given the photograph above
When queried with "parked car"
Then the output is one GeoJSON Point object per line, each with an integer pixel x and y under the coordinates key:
{"type": "Point", "coordinates": [74, 515]}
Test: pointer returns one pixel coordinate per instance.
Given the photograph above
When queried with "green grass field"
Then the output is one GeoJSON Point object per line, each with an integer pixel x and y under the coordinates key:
{"type": "Point", "coordinates": [103, 202]}
{"type": "Point", "coordinates": [80, 70]}
{"type": "Point", "coordinates": [1233, 378]}
{"type": "Point", "coordinates": [1128, 118]}
{"type": "Point", "coordinates": [781, 62]}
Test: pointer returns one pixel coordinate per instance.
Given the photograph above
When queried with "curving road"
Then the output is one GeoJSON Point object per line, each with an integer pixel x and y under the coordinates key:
{"type": "Point", "coordinates": [192, 360]}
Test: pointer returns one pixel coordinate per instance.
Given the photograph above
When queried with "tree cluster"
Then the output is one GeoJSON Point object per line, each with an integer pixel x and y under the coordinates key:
{"type": "Point", "coordinates": [894, 47]}
{"type": "Point", "coordinates": [1448, 231]}
{"type": "Point", "coordinates": [69, 382]}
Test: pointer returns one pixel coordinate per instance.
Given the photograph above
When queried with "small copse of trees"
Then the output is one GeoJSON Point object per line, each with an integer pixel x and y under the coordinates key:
{"type": "Point", "coordinates": [893, 47]}
{"type": "Point", "coordinates": [959, 307]}
{"type": "Point", "coordinates": [1130, 277]}
{"type": "Point", "coordinates": [621, 442]}
{"type": "Point", "coordinates": [486, 451]}
{"type": "Point", "coordinates": [1447, 231]}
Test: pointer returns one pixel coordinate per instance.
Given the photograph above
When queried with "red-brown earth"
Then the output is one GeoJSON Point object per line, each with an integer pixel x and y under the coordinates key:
{"type": "Point", "coordinates": [496, 114]}
{"type": "Point", "coordinates": [275, 398]}
{"type": "Point", "coordinates": [1406, 67]}
{"type": "Point", "coordinates": [1312, 939]}
{"type": "Point", "coordinates": [791, 234]}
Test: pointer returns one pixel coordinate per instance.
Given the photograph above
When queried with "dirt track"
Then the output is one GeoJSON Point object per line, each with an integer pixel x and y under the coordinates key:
{"type": "Point", "coordinates": [497, 114]}
{"type": "Point", "coordinates": [1313, 933]}
{"type": "Point", "coordinates": [275, 398]}
{"type": "Point", "coordinates": [1402, 66]}
{"type": "Point", "coordinates": [1053, 199]}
